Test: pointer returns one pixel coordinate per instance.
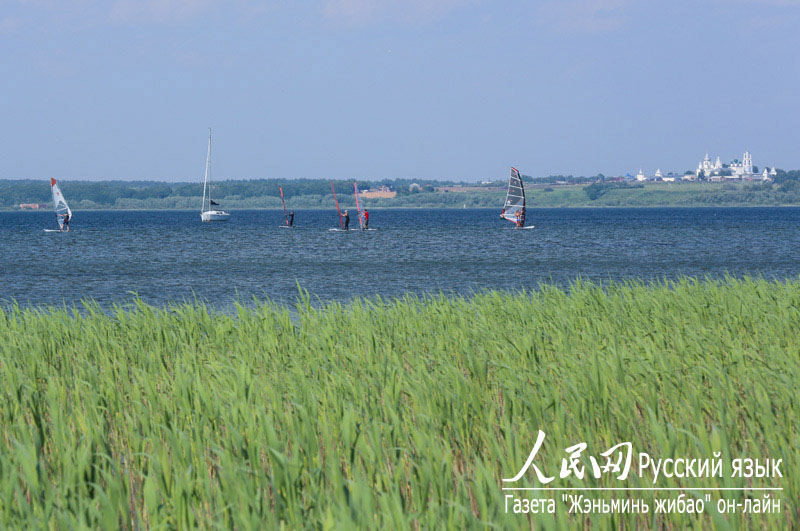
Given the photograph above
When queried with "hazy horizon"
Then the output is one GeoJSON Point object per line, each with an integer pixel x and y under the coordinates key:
{"type": "Point", "coordinates": [439, 89]}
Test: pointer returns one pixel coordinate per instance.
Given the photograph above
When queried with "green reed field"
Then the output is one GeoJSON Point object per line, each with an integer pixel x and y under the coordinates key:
{"type": "Point", "coordinates": [393, 414]}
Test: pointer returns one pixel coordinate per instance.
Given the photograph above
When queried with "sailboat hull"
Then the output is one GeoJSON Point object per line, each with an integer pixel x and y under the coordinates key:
{"type": "Point", "coordinates": [214, 215]}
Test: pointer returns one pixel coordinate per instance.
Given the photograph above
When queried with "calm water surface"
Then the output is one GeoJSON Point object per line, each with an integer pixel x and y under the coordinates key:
{"type": "Point", "coordinates": [170, 256]}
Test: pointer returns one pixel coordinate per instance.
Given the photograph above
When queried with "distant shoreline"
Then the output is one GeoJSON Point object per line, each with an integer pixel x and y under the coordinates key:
{"type": "Point", "coordinates": [84, 196]}
{"type": "Point", "coordinates": [531, 207]}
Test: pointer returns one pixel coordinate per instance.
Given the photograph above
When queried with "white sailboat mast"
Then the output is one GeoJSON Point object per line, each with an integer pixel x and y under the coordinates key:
{"type": "Point", "coordinates": [208, 174]}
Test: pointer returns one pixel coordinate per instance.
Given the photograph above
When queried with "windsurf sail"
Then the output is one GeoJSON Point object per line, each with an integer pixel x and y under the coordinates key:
{"type": "Point", "coordinates": [285, 215]}
{"type": "Point", "coordinates": [341, 223]}
{"type": "Point", "coordinates": [514, 208]}
{"type": "Point", "coordinates": [358, 206]}
{"type": "Point", "coordinates": [59, 203]}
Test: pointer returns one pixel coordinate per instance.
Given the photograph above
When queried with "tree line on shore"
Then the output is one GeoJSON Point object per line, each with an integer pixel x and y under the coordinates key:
{"type": "Point", "coordinates": [14, 192]}
{"type": "Point", "coordinates": [316, 193]}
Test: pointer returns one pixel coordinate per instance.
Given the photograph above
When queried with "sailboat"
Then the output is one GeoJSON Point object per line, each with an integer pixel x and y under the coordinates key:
{"type": "Point", "coordinates": [514, 208]}
{"type": "Point", "coordinates": [211, 214]}
{"type": "Point", "coordinates": [61, 207]}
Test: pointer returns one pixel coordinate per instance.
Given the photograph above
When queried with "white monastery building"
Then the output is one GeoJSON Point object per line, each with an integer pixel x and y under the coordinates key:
{"type": "Point", "coordinates": [743, 169]}
{"type": "Point", "coordinates": [715, 171]}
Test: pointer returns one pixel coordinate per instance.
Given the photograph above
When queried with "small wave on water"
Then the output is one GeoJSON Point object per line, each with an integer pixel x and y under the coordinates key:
{"type": "Point", "coordinates": [169, 256]}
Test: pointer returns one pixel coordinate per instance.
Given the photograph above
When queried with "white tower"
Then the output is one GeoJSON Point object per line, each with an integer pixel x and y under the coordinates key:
{"type": "Point", "coordinates": [704, 166]}
{"type": "Point", "coordinates": [747, 163]}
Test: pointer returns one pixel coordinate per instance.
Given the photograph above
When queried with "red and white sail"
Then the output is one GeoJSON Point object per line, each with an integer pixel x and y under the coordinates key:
{"type": "Point", "coordinates": [59, 203]}
{"type": "Point", "coordinates": [358, 206]}
{"type": "Point", "coordinates": [339, 210]}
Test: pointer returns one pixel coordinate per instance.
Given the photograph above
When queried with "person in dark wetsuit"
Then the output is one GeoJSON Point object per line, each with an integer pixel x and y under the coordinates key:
{"type": "Point", "coordinates": [65, 223]}
{"type": "Point", "coordinates": [366, 219]}
{"type": "Point", "coordinates": [346, 220]}
{"type": "Point", "coordinates": [291, 218]}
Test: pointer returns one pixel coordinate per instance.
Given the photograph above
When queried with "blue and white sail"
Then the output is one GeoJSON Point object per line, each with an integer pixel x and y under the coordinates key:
{"type": "Point", "coordinates": [60, 204]}
{"type": "Point", "coordinates": [514, 207]}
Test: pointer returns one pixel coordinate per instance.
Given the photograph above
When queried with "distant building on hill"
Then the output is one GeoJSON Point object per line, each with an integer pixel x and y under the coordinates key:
{"type": "Point", "coordinates": [33, 206]}
{"type": "Point", "coordinates": [736, 170]}
{"type": "Point", "coordinates": [707, 168]}
{"type": "Point", "coordinates": [383, 192]}
{"type": "Point", "coordinates": [743, 169]}
{"type": "Point", "coordinates": [464, 189]}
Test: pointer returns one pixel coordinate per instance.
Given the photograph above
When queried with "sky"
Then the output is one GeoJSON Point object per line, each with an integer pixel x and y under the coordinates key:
{"type": "Point", "coordinates": [448, 89]}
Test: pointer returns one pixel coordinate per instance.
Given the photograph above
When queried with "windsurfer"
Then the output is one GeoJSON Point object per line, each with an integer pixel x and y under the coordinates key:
{"type": "Point", "coordinates": [65, 222]}
{"type": "Point", "coordinates": [346, 220]}
{"type": "Point", "coordinates": [366, 219]}
{"type": "Point", "coordinates": [291, 218]}
{"type": "Point", "coordinates": [514, 208]}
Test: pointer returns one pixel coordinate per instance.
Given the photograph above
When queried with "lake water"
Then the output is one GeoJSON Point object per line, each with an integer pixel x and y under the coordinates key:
{"type": "Point", "coordinates": [171, 256]}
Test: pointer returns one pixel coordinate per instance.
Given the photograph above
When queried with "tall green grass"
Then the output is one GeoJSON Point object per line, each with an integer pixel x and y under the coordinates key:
{"type": "Point", "coordinates": [389, 414]}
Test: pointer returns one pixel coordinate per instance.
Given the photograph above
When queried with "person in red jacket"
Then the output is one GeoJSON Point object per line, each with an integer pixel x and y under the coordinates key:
{"type": "Point", "coordinates": [366, 218]}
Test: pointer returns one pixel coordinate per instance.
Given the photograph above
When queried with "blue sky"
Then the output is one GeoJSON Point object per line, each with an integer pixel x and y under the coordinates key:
{"type": "Point", "coordinates": [455, 89]}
